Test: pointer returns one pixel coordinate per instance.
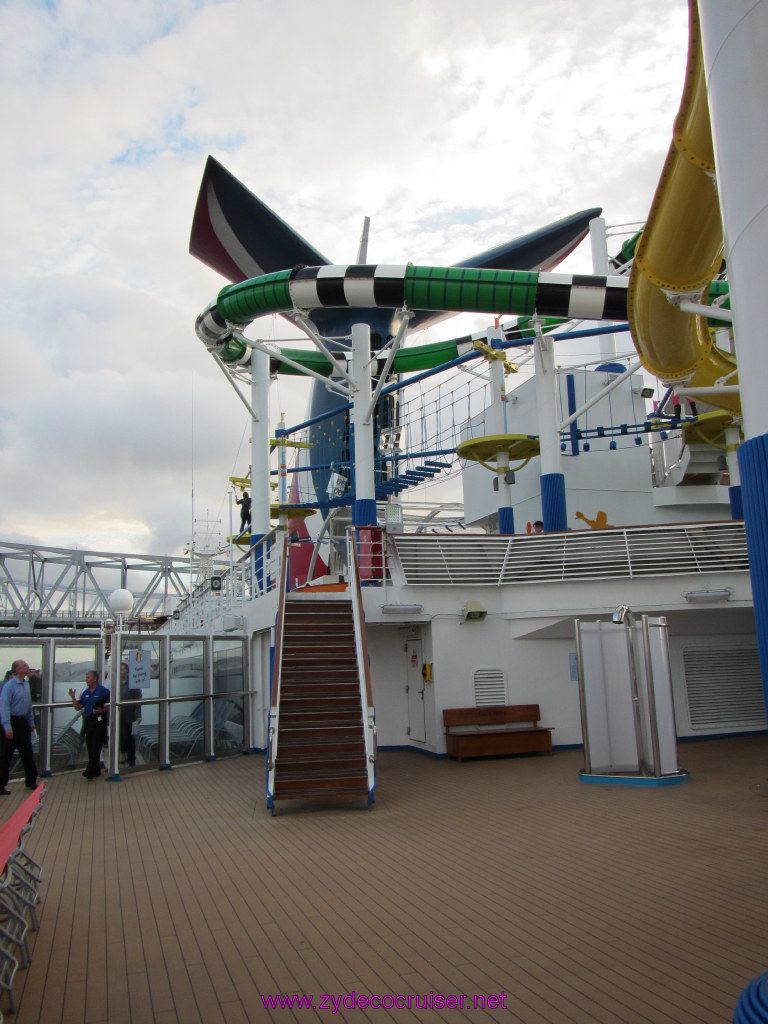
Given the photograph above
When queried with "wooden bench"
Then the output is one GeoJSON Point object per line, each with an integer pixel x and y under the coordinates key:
{"type": "Point", "coordinates": [496, 729]}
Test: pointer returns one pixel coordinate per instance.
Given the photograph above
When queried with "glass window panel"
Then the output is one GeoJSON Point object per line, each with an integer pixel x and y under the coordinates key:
{"type": "Point", "coordinates": [31, 653]}
{"type": "Point", "coordinates": [227, 726]}
{"type": "Point", "coordinates": [187, 667]}
{"type": "Point", "coordinates": [68, 744]}
{"type": "Point", "coordinates": [152, 651]}
{"type": "Point", "coordinates": [187, 731]}
{"type": "Point", "coordinates": [34, 656]}
{"type": "Point", "coordinates": [146, 735]}
{"type": "Point", "coordinates": [138, 737]}
{"type": "Point", "coordinates": [70, 663]}
{"type": "Point", "coordinates": [228, 660]}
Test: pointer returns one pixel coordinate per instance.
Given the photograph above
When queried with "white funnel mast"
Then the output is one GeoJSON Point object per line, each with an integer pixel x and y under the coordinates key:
{"type": "Point", "coordinates": [362, 252]}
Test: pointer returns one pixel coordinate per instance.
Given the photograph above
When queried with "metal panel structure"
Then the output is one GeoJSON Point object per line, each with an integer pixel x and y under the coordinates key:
{"type": "Point", "coordinates": [60, 588]}
{"type": "Point", "coordinates": [625, 686]}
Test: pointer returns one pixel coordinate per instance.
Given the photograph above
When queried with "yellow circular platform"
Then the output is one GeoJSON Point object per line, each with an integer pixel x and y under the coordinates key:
{"type": "Point", "coordinates": [709, 428]}
{"type": "Point", "coordinates": [292, 511]}
{"type": "Point", "coordinates": [520, 448]}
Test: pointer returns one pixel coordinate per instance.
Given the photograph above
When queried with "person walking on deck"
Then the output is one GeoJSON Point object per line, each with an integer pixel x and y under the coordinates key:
{"type": "Point", "coordinates": [18, 725]}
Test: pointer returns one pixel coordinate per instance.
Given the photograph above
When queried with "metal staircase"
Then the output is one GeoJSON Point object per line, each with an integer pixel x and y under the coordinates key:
{"type": "Point", "coordinates": [322, 726]}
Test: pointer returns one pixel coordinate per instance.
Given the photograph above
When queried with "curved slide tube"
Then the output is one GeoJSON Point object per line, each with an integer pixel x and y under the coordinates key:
{"type": "Point", "coordinates": [681, 248]}
{"type": "Point", "coordinates": [449, 289]}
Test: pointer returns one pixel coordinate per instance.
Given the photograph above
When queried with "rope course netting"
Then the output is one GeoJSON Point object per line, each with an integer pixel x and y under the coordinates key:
{"type": "Point", "coordinates": [417, 430]}
{"type": "Point", "coordinates": [420, 421]}
{"type": "Point", "coordinates": [418, 426]}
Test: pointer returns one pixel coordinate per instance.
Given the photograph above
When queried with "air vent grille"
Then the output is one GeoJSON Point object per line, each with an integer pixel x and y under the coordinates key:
{"type": "Point", "coordinates": [724, 687]}
{"type": "Point", "coordinates": [490, 687]}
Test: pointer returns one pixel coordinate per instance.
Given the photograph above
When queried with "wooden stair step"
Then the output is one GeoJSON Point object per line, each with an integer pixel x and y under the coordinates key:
{"type": "Point", "coordinates": [294, 777]}
{"type": "Point", "coordinates": [320, 720]}
{"type": "Point", "coordinates": [303, 700]}
{"type": "Point", "coordinates": [314, 794]}
{"type": "Point", "coordinates": [318, 764]}
{"type": "Point", "coordinates": [340, 617]}
{"type": "Point", "coordinates": [319, 688]}
{"type": "Point", "coordinates": [340, 745]}
{"type": "Point", "coordinates": [320, 737]}
{"type": "Point", "coordinates": [312, 671]}
{"type": "Point", "coordinates": [315, 781]}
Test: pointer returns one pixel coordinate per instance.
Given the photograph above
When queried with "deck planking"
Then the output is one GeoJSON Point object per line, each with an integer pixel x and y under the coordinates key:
{"type": "Point", "coordinates": [176, 898]}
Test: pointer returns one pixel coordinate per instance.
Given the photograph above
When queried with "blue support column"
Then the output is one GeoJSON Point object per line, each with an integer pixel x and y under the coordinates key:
{"type": "Point", "coordinates": [364, 512]}
{"type": "Point", "coordinates": [737, 505]}
{"type": "Point", "coordinates": [753, 465]}
{"type": "Point", "coordinates": [506, 521]}
{"type": "Point", "coordinates": [553, 513]}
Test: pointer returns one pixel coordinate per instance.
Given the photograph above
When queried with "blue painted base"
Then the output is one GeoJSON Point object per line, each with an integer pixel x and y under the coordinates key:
{"type": "Point", "coordinates": [113, 778]}
{"type": "Point", "coordinates": [737, 505]}
{"type": "Point", "coordinates": [506, 521]}
{"type": "Point", "coordinates": [634, 780]}
{"type": "Point", "coordinates": [48, 774]}
{"type": "Point", "coordinates": [364, 512]}
{"type": "Point", "coordinates": [752, 1007]}
{"type": "Point", "coordinates": [166, 767]}
{"type": "Point", "coordinates": [753, 466]}
{"type": "Point", "coordinates": [210, 758]}
{"type": "Point", "coordinates": [553, 512]}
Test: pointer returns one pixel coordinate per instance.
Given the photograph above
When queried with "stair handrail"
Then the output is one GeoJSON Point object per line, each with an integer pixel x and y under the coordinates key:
{"type": "Point", "coordinates": [364, 666]}
{"type": "Point", "coordinates": [274, 699]}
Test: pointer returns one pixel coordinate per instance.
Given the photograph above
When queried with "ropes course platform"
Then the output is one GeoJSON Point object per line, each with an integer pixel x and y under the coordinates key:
{"type": "Point", "coordinates": [520, 448]}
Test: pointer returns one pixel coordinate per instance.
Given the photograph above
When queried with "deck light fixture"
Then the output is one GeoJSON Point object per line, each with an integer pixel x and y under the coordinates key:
{"type": "Point", "coordinates": [708, 596]}
{"type": "Point", "coordinates": [402, 609]}
{"type": "Point", "coordinates": [473, 611]}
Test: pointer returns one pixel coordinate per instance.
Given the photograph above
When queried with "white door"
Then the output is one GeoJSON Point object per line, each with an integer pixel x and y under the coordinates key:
{"type": "Point", "coordinates": [414, 687]}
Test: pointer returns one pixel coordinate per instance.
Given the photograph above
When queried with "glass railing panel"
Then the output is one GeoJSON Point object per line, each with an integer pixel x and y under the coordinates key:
{"type": "Point", "coordinates": [146, 735]}
{"type": "Point", "coordinates": [228, 725]}
{"type": "Point", "coordinates": [187, 667]}
{"type": "Point", "coordinates": [187, 731]}
{"type": "Point", "coordinates": [70, 663]}
{"type": "Point", "coordinates": [228, 665]}
{"type": "Point", "coordinates": [139, 681]}
{"type": "Point", "coordinates": [68, 750]}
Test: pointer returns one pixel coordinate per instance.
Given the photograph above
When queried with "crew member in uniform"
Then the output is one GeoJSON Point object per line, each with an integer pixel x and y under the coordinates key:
{"type": "Point", "coordinates": [94, 701]}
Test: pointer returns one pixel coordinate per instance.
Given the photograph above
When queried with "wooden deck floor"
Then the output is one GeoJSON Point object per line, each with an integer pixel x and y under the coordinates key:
{"type": "Point", "coordinates": [174, 897]}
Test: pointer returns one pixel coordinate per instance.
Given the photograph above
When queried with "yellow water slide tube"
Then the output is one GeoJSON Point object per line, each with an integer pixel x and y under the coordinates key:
{"type": "Point", "coordinates": [681, 249]}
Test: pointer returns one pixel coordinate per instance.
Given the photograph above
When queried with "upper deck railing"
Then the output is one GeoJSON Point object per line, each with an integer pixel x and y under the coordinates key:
{"type": "Point", "coordinates": [628, 553]}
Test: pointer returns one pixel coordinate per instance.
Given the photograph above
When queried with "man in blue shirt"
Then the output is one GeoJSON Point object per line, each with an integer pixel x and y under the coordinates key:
{"type": "Point", "coordinates": [93, 701]}
{"type": "Point", "coordinates": [18, 726]}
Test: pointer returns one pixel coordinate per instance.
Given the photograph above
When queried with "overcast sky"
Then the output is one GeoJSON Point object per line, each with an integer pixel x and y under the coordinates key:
{"type": "Point", "coordinates": [454, 126]}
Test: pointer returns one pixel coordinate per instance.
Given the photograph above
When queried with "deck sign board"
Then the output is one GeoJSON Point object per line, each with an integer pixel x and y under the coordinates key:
{"type": "Point", "coordinates": [139, 670]}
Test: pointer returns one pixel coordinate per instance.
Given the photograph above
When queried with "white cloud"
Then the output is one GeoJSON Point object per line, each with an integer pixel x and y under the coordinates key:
{"type": "Point", "coordinates": [454, 128]}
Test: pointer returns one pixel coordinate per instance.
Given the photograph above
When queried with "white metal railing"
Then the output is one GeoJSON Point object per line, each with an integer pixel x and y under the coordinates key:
{"type": "Point", "coordinates": [277, 669]}
{"type": "Point", "coordinates": [363, 661]}
{"type": "Point", "coordinates": [627, 553]}
{"type": "Point", "coordinates": [255, 576]}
